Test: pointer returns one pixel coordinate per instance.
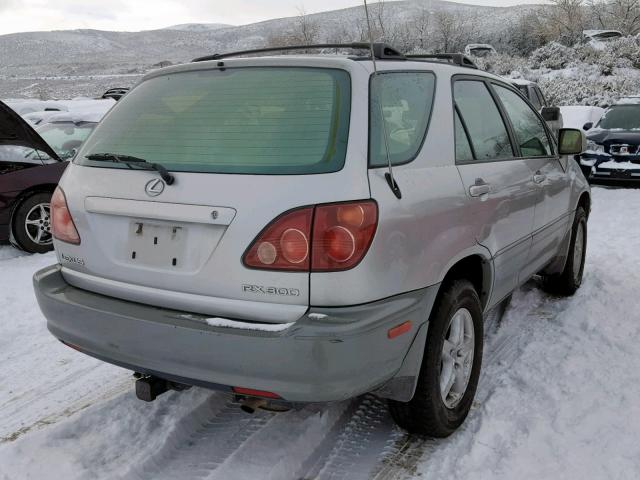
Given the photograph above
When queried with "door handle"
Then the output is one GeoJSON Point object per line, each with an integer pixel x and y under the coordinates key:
{"type": "Point", "coordinates": [539, 177]}
{"type": "Point", "coordinates": [478, 190]}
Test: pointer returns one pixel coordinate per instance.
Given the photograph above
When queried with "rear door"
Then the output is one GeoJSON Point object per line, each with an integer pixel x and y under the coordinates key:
{"type": "Point", "coordinates": [245, 145]}
{"type": "Point", "coordinates": [499, 183]}
{"type": "Point", "coordinates": [537, 150]}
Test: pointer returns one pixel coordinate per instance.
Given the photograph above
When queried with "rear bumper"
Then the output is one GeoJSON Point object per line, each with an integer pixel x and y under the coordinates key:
{"type": "Point", "coordinates": [338, 356]}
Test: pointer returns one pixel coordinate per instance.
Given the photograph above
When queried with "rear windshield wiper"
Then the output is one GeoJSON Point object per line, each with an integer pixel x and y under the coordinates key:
{"type": "Point", "coordinates": [131, 160]}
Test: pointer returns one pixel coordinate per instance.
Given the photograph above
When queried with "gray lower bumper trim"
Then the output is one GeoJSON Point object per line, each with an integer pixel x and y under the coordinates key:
{"type": "Point", "coordinates": [337, 355]}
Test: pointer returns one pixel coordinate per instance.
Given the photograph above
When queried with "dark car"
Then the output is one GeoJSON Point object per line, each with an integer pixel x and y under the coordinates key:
{"type": "Point", "coordinates": [115, 93]}
{"type": "Point", "coordinates": [613, 145]}
{"type": "Point", "coordinates": [29, 172]}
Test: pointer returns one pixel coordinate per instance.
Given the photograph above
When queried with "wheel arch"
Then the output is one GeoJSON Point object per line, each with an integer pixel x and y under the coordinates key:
{"type": "Point", "coordinates": [476, 267]}
{"type": "Point", "coordinates": [585, 202]}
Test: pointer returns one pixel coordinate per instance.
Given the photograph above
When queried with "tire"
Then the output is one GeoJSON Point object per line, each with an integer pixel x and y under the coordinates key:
{"type": "Point", "coordinates": [31, 226]}
{"type": "Point", "coordinates": [567, 282]}
{"type": "Point", "coordinates": [430, 412]}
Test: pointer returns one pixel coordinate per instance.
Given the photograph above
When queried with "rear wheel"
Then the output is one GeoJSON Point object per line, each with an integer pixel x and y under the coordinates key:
{"type": "Point", "coordinates": [567, 282]}
{"type": "Point", "coordinates": [450, 368]}
{"type": "Point", "coordinates": [32, 224]}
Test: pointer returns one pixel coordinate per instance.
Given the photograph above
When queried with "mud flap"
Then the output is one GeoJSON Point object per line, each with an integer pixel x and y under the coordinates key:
{"type": "Point", "coordinates": [403, 385]}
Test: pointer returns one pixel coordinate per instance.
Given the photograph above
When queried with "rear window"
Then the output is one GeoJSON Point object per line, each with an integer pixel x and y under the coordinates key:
{"type": "Point", "coordinates": [256, 120]}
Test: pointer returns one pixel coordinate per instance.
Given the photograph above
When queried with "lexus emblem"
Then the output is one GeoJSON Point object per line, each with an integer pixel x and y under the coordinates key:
{"type": "Point", "coordinates": [154, 187]}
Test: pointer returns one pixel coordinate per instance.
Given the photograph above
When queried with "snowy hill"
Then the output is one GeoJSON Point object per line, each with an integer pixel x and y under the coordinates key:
{"type": "Point", "coordinates": [198, 27]}
{"type": "Point", "coordinates": [73, 52]}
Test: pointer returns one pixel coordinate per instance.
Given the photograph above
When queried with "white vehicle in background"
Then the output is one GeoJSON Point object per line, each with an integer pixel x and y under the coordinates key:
{"type": "Point", "coordinates": [77, 108]}
{"type": "Point", "coordinates": [65, 132]}
{"type": "Point", "coordinates": [598, 38]}
{"type": "Point", "coordinates": [629, 100]}
{"type": "Point", "coordinates": [479, 50]}
{"type": "Point", "coordinates": [26, 106]}
{"type": "Point", "coordinates": [576, 116]}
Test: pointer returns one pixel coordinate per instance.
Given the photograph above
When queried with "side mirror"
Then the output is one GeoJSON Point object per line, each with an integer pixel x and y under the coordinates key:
{"type": "Point", "coordinates": [550, 114]}
{"type": "Point", "coordinates": [587, 126]}
{"type": "Point", "coordinates": [571, 141]}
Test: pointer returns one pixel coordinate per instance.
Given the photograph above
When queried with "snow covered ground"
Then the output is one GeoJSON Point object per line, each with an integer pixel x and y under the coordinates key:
{"type": "Point", "coordinates": [558, 397]}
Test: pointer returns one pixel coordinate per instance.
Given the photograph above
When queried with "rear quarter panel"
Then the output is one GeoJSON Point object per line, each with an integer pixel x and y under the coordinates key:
{"type": "Point", "coordinates": [419, 236]}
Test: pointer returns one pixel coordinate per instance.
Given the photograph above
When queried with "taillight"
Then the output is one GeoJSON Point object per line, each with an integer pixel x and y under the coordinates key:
{"type": "Point", "coordinates": [62, 225]}
{"type": "Point", "coordinates": [342, 234]}
{"type": "Point", "coordinates": [284, 244]}
{"type": "Point", "coordinates": [323, 238]}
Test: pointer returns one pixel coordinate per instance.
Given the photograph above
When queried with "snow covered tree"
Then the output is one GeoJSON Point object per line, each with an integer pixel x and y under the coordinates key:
{"type": "Point", "coordinates": [564, 21]}
{"type": "Point", "coordinates": [623, 15]}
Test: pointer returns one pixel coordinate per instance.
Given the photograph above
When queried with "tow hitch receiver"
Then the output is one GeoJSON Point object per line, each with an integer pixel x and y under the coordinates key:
{"type": "Point", "coordinates": [148, 387]}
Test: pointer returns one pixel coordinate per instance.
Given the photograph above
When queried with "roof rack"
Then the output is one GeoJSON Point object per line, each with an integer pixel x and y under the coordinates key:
{"type": "Point", "coordinates": [455, 58]}
{"type": "Point", "coordinates": [381, 51]}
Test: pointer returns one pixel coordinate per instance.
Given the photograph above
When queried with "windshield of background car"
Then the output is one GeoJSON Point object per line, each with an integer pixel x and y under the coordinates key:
{"type": "Point", "coordinates": [251, 120]}
{"type": "Point", "coordinates": [622, 117]}
{"type": "Point", "coordinates": [65, 137]}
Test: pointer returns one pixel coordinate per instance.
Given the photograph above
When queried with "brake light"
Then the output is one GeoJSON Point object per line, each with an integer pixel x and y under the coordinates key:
{"type": "Point", "coordinates": [329, 237]}
{"type": "Point", "coordinates": [62, 225]}
{"type": "Point", "coordinates": [284, 244]}
{"type": "Point", "coordinates": [342, 234]}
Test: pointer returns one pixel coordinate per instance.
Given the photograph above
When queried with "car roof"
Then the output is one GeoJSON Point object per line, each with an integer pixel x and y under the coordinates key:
{"type": "Point", "coordinates": [520, 81]}
{"type": "Point", "coordinates": [479, 45]}
{"type": "Point", "coordinates": [591, 33]}
{"type": "Point", "coordinates": [87, 116]}
{"type": "Point", "coordinates": [345, 62]}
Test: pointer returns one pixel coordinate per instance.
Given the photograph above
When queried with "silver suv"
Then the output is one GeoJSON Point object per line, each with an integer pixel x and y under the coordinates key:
{"type": "Point", "coordinates": [312, 228]}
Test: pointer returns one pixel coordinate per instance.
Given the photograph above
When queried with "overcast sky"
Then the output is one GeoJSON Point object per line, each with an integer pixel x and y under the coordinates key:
{"type": "Point", "coordinates": [133, 15]}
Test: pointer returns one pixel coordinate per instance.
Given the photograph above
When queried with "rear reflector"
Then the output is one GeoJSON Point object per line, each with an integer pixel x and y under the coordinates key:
{"type": "Point", "coordinates": [254, 393]}
{"type": "Point", "coordinates": [399, 330]}
{"type": "Point", "coordinates": [71, 345]}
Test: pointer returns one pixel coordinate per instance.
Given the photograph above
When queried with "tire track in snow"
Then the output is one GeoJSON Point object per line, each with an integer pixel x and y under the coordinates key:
{"type": "Point", "coordinates": [202, 441]}
{"type": "Point", "coordinates": [92, 397]}
{"type": "Point", "coordinates": [358, 442]}
{"type": "Point", "coordinates": [405, 453]}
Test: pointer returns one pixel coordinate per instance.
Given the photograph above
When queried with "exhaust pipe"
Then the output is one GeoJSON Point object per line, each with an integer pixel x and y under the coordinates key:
{"type": "Point", "coordinates": [251, 404]}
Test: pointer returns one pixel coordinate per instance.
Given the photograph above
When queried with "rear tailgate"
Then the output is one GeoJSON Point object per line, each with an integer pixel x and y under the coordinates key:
{"type": "Point", "coordinates": [244, 145]}
{"type": "Point", "coordinates": [184, 248]}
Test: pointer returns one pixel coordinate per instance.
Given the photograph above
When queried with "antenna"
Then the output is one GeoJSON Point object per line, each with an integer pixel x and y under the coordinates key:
{"type": "Point", "coordinates": [389, 175]}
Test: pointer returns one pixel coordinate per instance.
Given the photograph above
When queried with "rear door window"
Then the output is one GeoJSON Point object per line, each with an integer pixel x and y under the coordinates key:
{"type": "Point", "coordinates": [251, 120]}
{"type": "Point", "coordinates": [527, 125]}
{"type": "Point", "coordinates": [405, 100]}
{"type": "Point", "coordinates": [487, 132]}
